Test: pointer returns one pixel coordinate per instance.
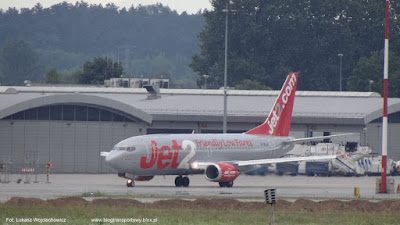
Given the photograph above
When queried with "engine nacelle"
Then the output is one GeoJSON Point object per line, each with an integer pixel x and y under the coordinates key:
{"type": "Point", "coordinates": [221, 172]}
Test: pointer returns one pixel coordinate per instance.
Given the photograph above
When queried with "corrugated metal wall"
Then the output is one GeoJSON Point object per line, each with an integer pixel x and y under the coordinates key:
{"type": "Point", "coordinates": [75, 146]}
{"type": "Point", "coordinates": [72, 146]}
{"type": "Point", "coordinates": [374, 139]}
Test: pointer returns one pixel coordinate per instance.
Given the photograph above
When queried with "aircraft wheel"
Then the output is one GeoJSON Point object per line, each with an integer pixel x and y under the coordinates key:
{"type": "Point", "coordinates": [226, 184]}
{"type": "Point", "coordinates": [179, 181]}
{"type": "Point", "coordinates": [130, 183]}
{"type": "Point", "coordinates": [186, 181]}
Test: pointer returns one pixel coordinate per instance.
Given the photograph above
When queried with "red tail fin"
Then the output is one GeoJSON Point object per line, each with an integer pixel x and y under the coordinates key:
{"type": "Point", "coordinates": [280, 117]}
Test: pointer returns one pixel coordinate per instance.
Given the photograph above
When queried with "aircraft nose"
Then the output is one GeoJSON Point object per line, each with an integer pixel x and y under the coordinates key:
{"type": "Point", "coordinates": [111, 159]}
{"type": "Point", "coordinates": [108, 158]}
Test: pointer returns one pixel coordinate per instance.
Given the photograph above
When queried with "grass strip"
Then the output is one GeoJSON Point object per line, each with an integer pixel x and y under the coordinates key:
{"type": "Point", "coordinates": [174, 216]}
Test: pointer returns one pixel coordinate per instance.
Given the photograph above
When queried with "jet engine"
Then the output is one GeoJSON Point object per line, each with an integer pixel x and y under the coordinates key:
{"type": "Point", "coordinates": [221, 172]}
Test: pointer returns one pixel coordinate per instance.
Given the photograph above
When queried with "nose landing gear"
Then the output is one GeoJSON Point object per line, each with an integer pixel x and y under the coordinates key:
{"type": "Point", "coordinates": [130, 183]}
{"type": "Point", "coordinates": [182, 181]}
{"type": "Point", "coordinates": [226, 184]}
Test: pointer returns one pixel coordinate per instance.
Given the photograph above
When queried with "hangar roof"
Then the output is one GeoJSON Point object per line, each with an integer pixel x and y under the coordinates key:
{"type": "Point", "coordinates": [310, 107]}
{"type": "Point", "coordinates": [14, 101]}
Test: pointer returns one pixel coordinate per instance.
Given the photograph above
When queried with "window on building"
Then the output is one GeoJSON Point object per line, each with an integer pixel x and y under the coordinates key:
{"type": "Point", "coordinates": [394, 118]}
{"type": "Point", "coordinates": [68, 112]}
{"type": "Point", "coordinates": [19, 116]}
{"type": "Point", "coordinates": [56, 112]}
{"type": "Point", "coordinates": [93, 114]}
{"type": "Point", "coordinates": [31, 114]}
{"type": "Point", "coordinates": [44, 113]}
{"type": "Point", "coordinates": [118, 118]}
{"type": "Point", "coordinates": [81, 113]}
{"type": "Point", "coordinates": [105, 115]}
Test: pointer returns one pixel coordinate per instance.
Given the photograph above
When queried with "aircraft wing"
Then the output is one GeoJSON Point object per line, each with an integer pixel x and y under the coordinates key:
{"type": "Point", "coordinates": [300, 140]}
{"type": "Point", "coordinates": [293, 159]}
{"type": "Point", "coordinates": [200, 165]}
{"type": "Point", "coordinates": [203, 165]}
{"type": "Point", "coordinates": [281, 160]}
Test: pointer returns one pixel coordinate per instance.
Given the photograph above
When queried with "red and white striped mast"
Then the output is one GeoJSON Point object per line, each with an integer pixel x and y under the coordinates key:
{"type": "Point", "coordinates": [385, 99]}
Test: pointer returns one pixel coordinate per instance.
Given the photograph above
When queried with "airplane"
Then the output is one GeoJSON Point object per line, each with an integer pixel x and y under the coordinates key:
{"type": "Point", "coordinates": [220, 157]}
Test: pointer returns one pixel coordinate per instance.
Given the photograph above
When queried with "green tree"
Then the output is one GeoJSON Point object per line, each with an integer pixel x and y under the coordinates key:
{"type": "Point", "coordinates": [183, 84]}
{"type": "Point", "coordinates": [52, 76]}
{"type": "Point", "coordinates": [66, 35]}
{"type": "Point", "coordinates": [269, 38]}
{"type": "Point", "coordinates": [369, 74]}
{"type": "Point", "coordinates": [19, 62]}
{"type": "Point", "coordinates": [100, 69]}
{"type": "Point", "coordinates": [72, 76]}
{"type": "Point", "coordinates": [247, 84]}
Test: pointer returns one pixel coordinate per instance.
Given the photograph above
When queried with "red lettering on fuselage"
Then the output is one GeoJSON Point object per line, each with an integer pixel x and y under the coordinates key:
{"type": "Point", "coordinates": [222, 143]}
{"type": "Point", "coordinates": [165, 156]}
{"type": "Point", "coordinates": [154, 151]}
{"type": "Point", "coordinates": [176, 147]}
{"type": "Point", "coordinates": [164, 159]}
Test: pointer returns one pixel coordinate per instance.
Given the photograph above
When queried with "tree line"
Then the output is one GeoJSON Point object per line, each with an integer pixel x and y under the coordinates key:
{"type": "Point", "coordinates": [149, 41]}
{"type": "Point", "coordinates": [269, 38]}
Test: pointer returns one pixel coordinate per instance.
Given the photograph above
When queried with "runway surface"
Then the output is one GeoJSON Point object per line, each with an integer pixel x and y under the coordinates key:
{"type": "Point", "coordinates": [245, 187]}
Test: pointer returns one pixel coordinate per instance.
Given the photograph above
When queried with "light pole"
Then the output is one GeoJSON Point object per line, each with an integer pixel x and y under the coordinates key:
{"type": "Point", "coordinates": [370, 85]}
{"type": "Point", "coordinates": [205, 76]}
{"type": "Point", "coordinates": [224, 121]}
{"type": "Point", "coordinates": [340, 72]}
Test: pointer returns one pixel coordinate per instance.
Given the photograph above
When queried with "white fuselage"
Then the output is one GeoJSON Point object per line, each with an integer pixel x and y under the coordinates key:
{"type": "Point", "coordinates": [173, 154]}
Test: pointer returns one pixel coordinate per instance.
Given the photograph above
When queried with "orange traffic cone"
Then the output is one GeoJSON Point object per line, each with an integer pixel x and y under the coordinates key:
{"type": "Point", "coordinates": [398, 188]}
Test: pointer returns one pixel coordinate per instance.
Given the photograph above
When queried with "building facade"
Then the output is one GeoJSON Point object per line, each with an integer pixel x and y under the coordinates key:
{"type": "Point", "coordinates": [70, 126]}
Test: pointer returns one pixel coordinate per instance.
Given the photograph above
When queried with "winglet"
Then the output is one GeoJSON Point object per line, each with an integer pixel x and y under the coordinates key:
{"type": "Point", "coordinates": [280, 117]}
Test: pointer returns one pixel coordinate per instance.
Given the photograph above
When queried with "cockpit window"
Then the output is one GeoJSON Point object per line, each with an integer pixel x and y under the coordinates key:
{"type": "Point", "coordinates": [131, 149]}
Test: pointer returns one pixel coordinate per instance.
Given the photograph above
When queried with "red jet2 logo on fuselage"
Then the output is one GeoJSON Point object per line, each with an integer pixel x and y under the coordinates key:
{"type": "Point", "coordinates": [166, 156]}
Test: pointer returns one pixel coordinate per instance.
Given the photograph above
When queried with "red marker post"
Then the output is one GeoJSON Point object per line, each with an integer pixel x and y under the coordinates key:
{"type": "Point", "coordinates": [385, 97]}
{"type": "Point", "coordinates": [48, 165]}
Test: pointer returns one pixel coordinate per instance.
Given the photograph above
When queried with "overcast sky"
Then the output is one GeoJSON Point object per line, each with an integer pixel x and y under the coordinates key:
{"type": "Point", "coordinates": [190, 6]}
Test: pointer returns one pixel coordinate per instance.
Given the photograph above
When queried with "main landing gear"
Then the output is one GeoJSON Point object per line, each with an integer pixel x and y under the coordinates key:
{"type": "Point", "coordinates": [182, 181]}
{"type": "Point", "coordinates": [226, 184]}
{"type": "Point", "coordinates": [130, 183]}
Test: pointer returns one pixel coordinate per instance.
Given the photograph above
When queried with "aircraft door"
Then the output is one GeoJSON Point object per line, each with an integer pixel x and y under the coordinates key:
{"type": "Point", "coordinates": [147, 149]}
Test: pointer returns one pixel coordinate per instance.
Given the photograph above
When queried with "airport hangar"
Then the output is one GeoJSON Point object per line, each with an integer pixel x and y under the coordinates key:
{"type": "Point", "coordinates": [70, 126]}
